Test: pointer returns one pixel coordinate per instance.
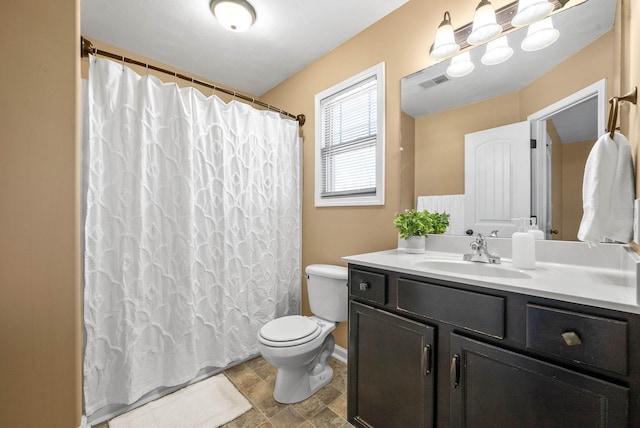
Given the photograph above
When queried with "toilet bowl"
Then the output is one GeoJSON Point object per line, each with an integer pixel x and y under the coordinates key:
{"type": "Point", "coordinates": [299, 346]}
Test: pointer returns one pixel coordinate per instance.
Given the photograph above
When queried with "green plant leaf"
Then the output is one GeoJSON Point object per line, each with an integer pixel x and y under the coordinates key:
{"type": "Point", "coordinates": [420, 223]}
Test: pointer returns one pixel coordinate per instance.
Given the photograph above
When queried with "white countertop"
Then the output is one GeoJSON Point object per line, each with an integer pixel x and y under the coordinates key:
{"type": "Point", "coordinates": [584, 282]}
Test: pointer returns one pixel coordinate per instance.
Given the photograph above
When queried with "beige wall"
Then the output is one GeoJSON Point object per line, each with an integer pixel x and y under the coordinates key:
{"type": "Point", "coordinates": [630, 76]}
{"type": "Point", "coordinates": [440, 142]}
{"type": "Point", "coordinates": [556, 180]}
{"type": "Point", "coordinates": [39, 215]}
{"type": "Point", "coordinates": [574, 158]}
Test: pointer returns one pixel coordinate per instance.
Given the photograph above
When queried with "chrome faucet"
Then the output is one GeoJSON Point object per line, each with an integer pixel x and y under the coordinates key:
{"type": "Point", "coordinates": [480, 252]}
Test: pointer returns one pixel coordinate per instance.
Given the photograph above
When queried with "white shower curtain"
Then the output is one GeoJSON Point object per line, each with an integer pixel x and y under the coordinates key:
{"type": "Point", "coordinates": [192, 232]}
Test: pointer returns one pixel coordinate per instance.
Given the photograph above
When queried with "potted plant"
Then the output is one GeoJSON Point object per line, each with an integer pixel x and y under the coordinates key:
{"type": "Point", "coordinates": [414, 226]}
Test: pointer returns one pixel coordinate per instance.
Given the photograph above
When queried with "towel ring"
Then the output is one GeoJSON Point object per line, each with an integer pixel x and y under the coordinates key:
{"type": "Point", "coordinates": [631, 97]}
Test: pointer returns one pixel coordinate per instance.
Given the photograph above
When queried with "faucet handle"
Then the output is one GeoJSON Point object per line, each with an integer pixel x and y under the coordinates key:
{"type": "Point", "coordinates": [480, 239]}
{"type": "Point", "coordinates": [494, 233]}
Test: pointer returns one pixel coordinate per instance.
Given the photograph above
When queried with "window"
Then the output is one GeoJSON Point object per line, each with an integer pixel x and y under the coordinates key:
{"type": "Point", "coordinates": [350, 141]}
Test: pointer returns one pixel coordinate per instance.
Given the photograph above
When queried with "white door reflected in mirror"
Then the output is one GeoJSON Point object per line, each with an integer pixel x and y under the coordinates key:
{"type": "Point", "coordinates": [497, 178]}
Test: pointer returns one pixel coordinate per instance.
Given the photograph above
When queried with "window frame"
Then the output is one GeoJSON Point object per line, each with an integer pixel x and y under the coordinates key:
{"type": "Point", "coordinates": [377, 71]}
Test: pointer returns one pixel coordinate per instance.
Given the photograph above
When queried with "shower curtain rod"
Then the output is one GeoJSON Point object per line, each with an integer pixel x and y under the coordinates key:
{"type": "Point", "coordinates": [86, 48]}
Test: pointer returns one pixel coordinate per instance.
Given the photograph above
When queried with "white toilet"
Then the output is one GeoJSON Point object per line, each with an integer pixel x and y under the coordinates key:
{"type": "Point", "coordinates": [300, 346]}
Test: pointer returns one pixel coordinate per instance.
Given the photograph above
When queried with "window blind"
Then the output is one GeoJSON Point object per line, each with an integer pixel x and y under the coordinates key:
{"type": "Point", "coordinates": [349, 138]}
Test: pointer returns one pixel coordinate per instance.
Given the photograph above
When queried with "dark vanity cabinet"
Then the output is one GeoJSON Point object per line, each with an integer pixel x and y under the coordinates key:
{"type": "Point", "coordinates": [407, 397]}
{"type": "Point", "coordinates": [426, 352]}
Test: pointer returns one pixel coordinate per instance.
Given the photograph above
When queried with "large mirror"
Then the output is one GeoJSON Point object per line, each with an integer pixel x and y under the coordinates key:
{"type": "Point", "coordinates": [560, 90]}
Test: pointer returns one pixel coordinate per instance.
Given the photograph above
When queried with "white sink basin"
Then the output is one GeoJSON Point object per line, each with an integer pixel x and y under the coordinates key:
{"type": "Point", "coordinates": [473, 268]}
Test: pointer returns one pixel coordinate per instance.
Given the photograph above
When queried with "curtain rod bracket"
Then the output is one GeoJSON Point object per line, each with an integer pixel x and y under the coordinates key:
{"type": "Point", "coordinates": [86, 48]}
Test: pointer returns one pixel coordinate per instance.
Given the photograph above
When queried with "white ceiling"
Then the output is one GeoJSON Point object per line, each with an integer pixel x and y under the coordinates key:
{"type": "Point", "coordinates": [287, 36]}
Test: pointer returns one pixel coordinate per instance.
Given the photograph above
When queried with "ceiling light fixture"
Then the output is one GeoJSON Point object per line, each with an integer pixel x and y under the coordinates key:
{"type": "Point", "coordinates": [485, 26]}
{"type": "Point", "coordinates": [498, 51]}
{"type": "Point", "coordinates": [461, 65]}
{"type": "Point", "coordinates": [540, 35]}
{"type": "Point", "coordinates": [445, 44]}
{"type": "Point", "coordinates": [530, 11]}
{"type": "Point", "coordinates": [234, 15]}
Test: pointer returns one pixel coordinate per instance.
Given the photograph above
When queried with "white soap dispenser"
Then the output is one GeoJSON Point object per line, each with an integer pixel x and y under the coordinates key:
{"type": "Point", "coordinates": [523, 246]}
{"type": "Point", "coordinates": [533, 229]}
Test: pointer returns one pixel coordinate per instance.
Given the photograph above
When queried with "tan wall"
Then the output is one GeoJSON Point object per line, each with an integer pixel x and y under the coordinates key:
{"type": "Point", "coordinates": [440, 142]}
{"type": "Point", "coordinates": [630, 76]}
{"type": "Point", "coordinates": [556, 181]}
{"type": "Point", "coordinates": [39, 215]}
{"type": "Point", "coordinates": [574, 158]}
{"type": "Point", "coordinates": [408, 164]}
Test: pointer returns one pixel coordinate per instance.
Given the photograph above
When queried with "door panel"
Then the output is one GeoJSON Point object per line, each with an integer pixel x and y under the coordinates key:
{"type": "Point", "coordinates": [500, 388]}
{"type": "Point", "coordinates": [393, 385]}
{"type": "Point", "coordinates": [497, 178]}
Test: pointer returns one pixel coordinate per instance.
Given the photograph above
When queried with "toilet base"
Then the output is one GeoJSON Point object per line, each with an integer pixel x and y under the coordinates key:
{"type": "Point", "coordinates": [295, 384]}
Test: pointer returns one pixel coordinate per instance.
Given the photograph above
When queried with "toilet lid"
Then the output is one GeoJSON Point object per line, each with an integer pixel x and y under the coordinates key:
{"type": "Point", "coordinates": [287, 329]}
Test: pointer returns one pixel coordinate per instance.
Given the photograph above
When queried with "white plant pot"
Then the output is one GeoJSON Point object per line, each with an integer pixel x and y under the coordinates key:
{"type": "Point", "coordinates": [415, 244]}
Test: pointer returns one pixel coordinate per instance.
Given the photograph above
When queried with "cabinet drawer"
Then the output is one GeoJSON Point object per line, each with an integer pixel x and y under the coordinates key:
{"type": "Point", "coordinates": [595, 341]}
{"type": "Point", "coordinates": [477, 312]}
{"type": "Point", "coordinates": [368, 286]}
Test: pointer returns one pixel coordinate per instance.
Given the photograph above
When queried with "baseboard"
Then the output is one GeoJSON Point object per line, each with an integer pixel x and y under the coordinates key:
{"type": "Point", "coordinates": [340, 354]}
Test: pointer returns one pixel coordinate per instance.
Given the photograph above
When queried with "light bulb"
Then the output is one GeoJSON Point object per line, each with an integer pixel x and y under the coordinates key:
{"type": "Point", "coordinates": [445, 43]}
{"type": "Point", "coordinates": [530, 11]}
{"type": "Point", "coordinates": [540, 35]}
{"type": "Point", "coordinates": [461, 65]}
{"type": "Point", "coordinates": [498, 51]}
{"type": "Point", "coordinates": [484, 26]}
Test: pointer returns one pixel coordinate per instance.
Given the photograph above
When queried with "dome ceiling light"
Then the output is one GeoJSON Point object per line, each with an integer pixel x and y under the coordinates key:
{"type": "Point", "coordinates": [234, 15]}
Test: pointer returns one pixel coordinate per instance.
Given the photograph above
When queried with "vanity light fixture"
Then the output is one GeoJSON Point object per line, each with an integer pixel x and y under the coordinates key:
{"type": "Point", "coordinates": [461, 65]}
{"type": "Point", "coordinates": [445, 44]}
{"type": "Point", "coordinates": [498, 51]}
{"type": "Point", "coordinates": [484, 26]}
{"type": "Point", "coordinates": [234, 15]}
{"type": "Point", "coordinates": [540, 35]}
{"type": "Point", "coordinates": [530, 11]}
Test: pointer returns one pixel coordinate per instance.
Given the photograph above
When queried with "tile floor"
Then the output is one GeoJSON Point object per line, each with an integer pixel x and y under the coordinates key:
{"type": "Point", "coordinates": [255, 379]}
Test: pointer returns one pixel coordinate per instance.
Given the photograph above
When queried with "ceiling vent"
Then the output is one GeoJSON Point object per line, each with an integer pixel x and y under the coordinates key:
{"type": "Point", "coordinates": [435, 81]}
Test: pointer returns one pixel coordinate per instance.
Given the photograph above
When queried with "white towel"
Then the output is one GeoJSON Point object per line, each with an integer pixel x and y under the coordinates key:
{"type": "Point", "coordinates": [608, 191]}
{"type": "Point", "coordinates": [450, 204]}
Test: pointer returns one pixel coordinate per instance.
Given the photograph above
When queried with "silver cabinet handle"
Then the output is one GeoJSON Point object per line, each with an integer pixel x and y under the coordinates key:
{"type": "Point", "coordinates": [364, 286]}
{"type": "Point", "coordinates": [571, 338]}
{"type": "Point", "coordinates": [454, 371]}
{"type": "Point", "coordinates": [426, 360]}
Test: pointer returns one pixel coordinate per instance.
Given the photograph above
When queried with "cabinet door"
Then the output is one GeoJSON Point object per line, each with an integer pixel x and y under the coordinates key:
{"type": "Point", "coordinates": [493, 387]}
{"type": "Point", "coordinates": [390, 370]}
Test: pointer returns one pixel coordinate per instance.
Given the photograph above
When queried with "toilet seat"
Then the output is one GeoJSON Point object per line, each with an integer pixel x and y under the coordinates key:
{"type": "Point", "coordinates": [289, 331]}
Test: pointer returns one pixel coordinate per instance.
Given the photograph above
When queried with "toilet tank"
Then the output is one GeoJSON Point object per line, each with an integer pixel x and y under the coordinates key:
{"type": "Point", "coordinates": [328, 291]}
